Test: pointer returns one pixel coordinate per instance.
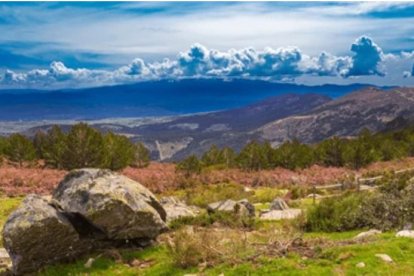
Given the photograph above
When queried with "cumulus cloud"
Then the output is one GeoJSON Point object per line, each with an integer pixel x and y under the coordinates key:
{"type": "Point", "coordinates": [367, 58]}
{"type": "Point", "coordinates": [199, 61]}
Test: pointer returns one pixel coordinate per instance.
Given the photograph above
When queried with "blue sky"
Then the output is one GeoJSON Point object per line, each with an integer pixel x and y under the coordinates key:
{"type": "Point", "coordinates": [59, 45]}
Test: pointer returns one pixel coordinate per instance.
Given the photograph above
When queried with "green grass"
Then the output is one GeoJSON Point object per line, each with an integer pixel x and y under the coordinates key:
{"type": "Point", "coordinates": [7, 205]}
{"type": "Point", "coordinates": [333, 260]}
{"type": "Point", "coordinates": [338, 260]}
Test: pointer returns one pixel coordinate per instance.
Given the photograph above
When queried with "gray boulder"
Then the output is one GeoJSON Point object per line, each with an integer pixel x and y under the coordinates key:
{"type": "Point", "coordinates": [242, 207]}
{"type": "Point", "coordinates": [119, 207]}
{"type": "Point", "coordinates": [176, 209]}
{"type": "Point", "coordinates": [278, 204]}
{"type": "Point", "coordinates": [37, 234]}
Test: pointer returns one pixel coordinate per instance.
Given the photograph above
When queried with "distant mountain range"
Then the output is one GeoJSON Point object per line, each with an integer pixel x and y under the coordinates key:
{"type": "Point", "coordinates": [152, 98]}
{"type": "Point", "coordinates": [274, 112]}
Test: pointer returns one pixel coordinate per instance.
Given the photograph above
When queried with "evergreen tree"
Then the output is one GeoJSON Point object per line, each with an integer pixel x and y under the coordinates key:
{"type": "Point", "coordinates": [39, 142]}
{"type": "Point", "coordinates": [228, 157]}
{"type": "Point", "coordinates": [212, 156]}
{"type": "Point", "coordinates": [142, 156]}
{"type": "Point", "coordinates": [292, 155]}
{"type": "Point", "coordinates": [189, 166]}
{"type": "Point", "coordinates": [19, 149]}
{"type": "Point", "coordinates": [85, 148]}
{"type": "Point", "coordinates": [361, 151]}
{"type": "Point", "coordinates": [119, 151]}
{"type": "Point", "coordinates": [331, 152]}
{"type": "Point", "coordinates": [55, 148]}
{"type": "Point", "coordinates": [253, 157]}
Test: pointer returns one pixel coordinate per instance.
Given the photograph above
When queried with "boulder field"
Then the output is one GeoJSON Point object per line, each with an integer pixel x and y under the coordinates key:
{"type": "Point", "coordinates": [90, 209]}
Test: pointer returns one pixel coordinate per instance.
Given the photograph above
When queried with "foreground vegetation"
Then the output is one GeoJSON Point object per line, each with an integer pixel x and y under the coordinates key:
{"type": "Point", "coordinates": [320, 243]}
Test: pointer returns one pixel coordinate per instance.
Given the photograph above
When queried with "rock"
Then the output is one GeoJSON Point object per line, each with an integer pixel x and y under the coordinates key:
{"type": "Point", "coordinates": [5, 261]}
{"type": "Point", "coordinates": [37, 234]}
{"type": "Point", "coordinates": [281, 214]}
{"type": "Point", "coordinates": [367, 234]}
{"type": "Point", "coordinates": [360, 265]}
{"type": "Point", "coordinates": [89, 263]}
{"type": "Point", "coordinates": [278, 204]}
{"type": "Point", "coordinates": [176, 209]}
{"type": "Point", "coordinates": [405, 233]}
{"type": "Point", "coordinates": [242, 207]}
{"type": "Point", "coordinates": [119, 207]}
{"type": "Point", "coordinates": [384, 257]}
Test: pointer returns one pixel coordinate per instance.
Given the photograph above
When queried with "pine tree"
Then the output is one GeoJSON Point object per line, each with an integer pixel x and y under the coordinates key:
{"type": "Point", "coordinates": [212, 156]}
{"type": "Point", "coordinates": [331, 152]}
{"type": "Point", "coordinates": [119, 151]}
{"type": "Point", "coordinates": [85, 148]}
{"type": "Point", "coordinates": [189, 166]}
{"type": "Point", "coordinates": [19, 149]}
{"type": "Point", "coordinates": [56, 147]}
{"type": "Point", "coordinates": [228, 157]}
{"type": "Point", "coordinates": [253, 157]}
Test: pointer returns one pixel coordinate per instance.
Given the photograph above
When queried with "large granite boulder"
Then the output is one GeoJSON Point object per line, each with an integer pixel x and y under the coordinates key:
{"type": "Point", "coordinates": [37, 234]}
{"type": "Point", "coordinates": [120, 207]}
{"type": "Point", "coordinates": [242, 207]}
{"type": "Point", "coordinates": [175, 208]}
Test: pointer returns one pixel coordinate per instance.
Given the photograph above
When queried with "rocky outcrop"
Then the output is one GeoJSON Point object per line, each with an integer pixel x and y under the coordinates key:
{"type": "Point", "coordinates": [175, 208]}
{"type": "Point", "coordinates": [242, 207]}
{"type": "Point", "coordinates": [37, 234]}
{"type": "Point", "coordinates": [90, 209]}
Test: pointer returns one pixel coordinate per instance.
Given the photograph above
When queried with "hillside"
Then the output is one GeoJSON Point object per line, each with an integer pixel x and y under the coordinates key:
{"type": "Point", "coordinates": [370, 108]}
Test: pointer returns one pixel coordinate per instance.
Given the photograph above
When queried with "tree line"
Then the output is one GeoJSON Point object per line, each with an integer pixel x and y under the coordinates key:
{"type": "Point", "coordinates": [355, 153]}
{"type": "Point", "coordinates": [82, 146]}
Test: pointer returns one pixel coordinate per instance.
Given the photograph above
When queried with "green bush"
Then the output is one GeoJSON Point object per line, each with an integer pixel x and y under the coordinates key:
{"type": "Point", "coordinates": [335, 214]}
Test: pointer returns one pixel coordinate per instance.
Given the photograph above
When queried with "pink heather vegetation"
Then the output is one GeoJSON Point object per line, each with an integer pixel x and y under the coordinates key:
{"type": "Point", "coordinates": [161, 177]}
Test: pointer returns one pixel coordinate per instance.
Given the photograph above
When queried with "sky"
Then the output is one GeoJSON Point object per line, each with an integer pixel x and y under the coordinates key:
{"type": "Point", "coordinates": [48, 45]}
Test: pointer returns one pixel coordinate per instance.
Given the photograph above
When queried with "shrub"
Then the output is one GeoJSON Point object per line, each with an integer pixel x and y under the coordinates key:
{"type": "Point", "coordinates": [335, 214]}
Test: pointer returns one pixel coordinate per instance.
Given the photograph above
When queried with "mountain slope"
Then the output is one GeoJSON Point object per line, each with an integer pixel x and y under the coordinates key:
{"type": "Point", "coordinates": [370, 108]}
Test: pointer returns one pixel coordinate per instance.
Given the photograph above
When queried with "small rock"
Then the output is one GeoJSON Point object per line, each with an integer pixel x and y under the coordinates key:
{"type": "Point", "coordinates": [89, 263]}
{"type": "Point", "coordinates": [367, 234]}
{"type": "Point", "coordinates": [360, 265]}
{"type": "Point", "coordinates": [177, 209]}
{"type": "Point", "coordinates": [384, 257]}
{"type": "Point", "coordinates": [279, 215]}
{"type": "Point", "coordinates": [241, 207]}
{"type": "Point", "coordinates": [278, 204]}
{"type": "Point", "coordinates": [5, 261]}
{"type": "Point", "coordinates": [405, 233]}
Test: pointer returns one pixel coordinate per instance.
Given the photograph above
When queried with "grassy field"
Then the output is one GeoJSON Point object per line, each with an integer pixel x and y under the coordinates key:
{"type": "Point", "coordinates": [332, 254]}
{"type": "Point", "coordinates": [338, 260]}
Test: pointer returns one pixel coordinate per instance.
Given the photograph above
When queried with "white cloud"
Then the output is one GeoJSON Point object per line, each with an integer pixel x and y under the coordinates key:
{"type": "Point", "coordinates": [284, 63]}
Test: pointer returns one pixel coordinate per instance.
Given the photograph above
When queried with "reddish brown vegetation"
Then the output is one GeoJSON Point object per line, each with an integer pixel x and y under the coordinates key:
{"type": "Point", "coordinates": [160, 177]}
